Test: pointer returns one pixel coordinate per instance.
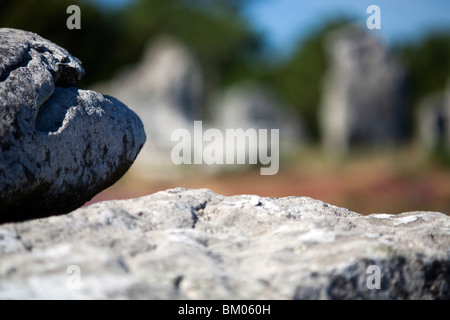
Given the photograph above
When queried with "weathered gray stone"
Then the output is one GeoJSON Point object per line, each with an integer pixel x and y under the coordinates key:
{"type": "Point", "coordinates": [195, 244]}
{"type": "Point", "coordinates": [364, 94]}
{"type": "Point", "coordinates": [59, 145]}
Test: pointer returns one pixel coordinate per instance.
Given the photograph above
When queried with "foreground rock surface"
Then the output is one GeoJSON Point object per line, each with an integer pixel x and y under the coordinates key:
{"type": "Point", "coordinates": [59, 145]}
{"type": "Point", "coordinates": [195, 244]}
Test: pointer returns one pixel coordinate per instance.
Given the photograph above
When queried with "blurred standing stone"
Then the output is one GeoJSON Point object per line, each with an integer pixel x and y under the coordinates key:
{"type": "Point", "coordinates": [364, 95]}
{"type": "Point", "coordinates": [60, 145]}
{"type": "Point", "coordinates": [251, 105]}
{"type": "Point", "coordinates": [166, 90]}
{"type": "Point", "coordinates": [434, 121]}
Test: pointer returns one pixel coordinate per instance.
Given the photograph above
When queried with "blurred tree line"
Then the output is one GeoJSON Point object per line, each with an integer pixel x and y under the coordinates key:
{"type": "Point", "coordinates": [111, 39]}
{"type": "Point", "coordinates": [428, 63]}
{"type": "Point", "coordinates": [227, 47]}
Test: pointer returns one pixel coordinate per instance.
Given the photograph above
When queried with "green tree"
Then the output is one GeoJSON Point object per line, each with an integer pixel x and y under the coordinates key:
{"type": "Point", "coordinates": [216, 32]}
{"type": "Point", "coordinates": [428, 63]}
{"type": "Point", "coordinates": [94, 44]}
{"type": "Point", "coordinates": [111, 39]}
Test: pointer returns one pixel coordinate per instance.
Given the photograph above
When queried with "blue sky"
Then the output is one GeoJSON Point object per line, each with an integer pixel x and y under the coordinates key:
{"type": "Point", "coordinates": [285, 22]}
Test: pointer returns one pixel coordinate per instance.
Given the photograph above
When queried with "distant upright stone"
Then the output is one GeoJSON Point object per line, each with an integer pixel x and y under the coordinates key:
{"type": "Point", "coordinates": [254, 106]}
{"type": "Point", "coordinates": [364, 94]}
{"type": "Point", "coordinates": [251, 105]}
{"type": "Point", "coordinates": [59, 145]}
{"type": "Point", "coordinates": [166, 90]}
{"type": "Point", "coordinates": [433, 121]}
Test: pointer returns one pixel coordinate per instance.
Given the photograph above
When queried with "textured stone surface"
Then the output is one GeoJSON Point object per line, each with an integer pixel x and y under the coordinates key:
{"type": "Point", "coordinates": [195, 244]}
{"type": "Point", "coordinates": [59, 145]}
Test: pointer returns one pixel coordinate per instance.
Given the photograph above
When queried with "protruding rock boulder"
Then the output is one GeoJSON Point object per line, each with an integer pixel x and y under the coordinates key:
{"type": "Point", "coordinates": [59, 145]}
